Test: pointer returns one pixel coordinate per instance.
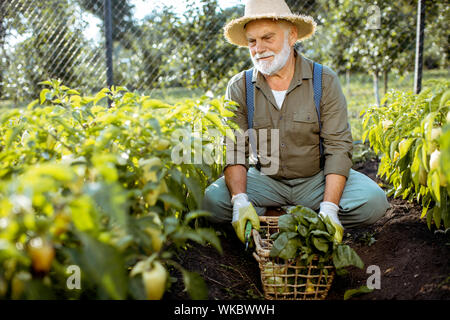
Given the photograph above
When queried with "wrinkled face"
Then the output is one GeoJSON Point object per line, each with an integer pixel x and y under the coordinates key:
{"type": "Point", "coordinates": [270, 44]}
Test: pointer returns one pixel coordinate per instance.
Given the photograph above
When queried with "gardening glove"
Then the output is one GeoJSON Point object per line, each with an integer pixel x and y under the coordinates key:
{"type": "Point", "coordinates": [243, 211]}
{"type": "Point", "coordinates": [329, 209]}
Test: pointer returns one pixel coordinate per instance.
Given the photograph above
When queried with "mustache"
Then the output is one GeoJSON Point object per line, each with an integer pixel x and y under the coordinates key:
{"type": "Point", "coordinates": [264, 55]}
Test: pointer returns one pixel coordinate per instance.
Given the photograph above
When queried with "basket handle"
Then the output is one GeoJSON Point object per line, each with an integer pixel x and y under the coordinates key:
{"type": "Point", "coordinates": [257, 239]}
{"type": "Point", "coordinates": [257, 258]}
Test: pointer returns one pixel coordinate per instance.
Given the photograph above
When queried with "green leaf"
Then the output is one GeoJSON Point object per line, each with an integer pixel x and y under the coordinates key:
{"type": "Point", "coordinates": [404, 146]}
{"type": "Point", "coordinates": [209, 235]}
{"type": "Point", "coordinates": [319, 233]}
{"type": "Point", "coordinates": [170, 224]}
{"type": "Point", "coordinates": [330, 228]}
{"type": "Point", "coordinates": [195, 285]}
{"type": "Point", "coordinates": [290, 250]}
{"type": "Point", "coordinates": [101, 265]}
{"type": "Point", "coordinates": [344, 256]}
{"type": "Point", "coordinates": [393, 148]}
{"type": "Point", "coordinates": [195, 214]}
{"type": "Point", "coordinates": [352, 292]}
{"type": "Point", "coordinates": [279, 245]}
{"type": "Point", "coordinates": [434, 182]}
{"type": "Point", "coordinates": [99, 96]}
{"type": "Point", "coordinates": [48, 83]}
{"type": "Point", "coordinates": [305, 215]}
{"type": "Point", "coordinates": [194, 188]}
{"type": "Point", "coordinates": [287, 223]}
{"type": "Point", "coordinates": [437, 216]}
{"type": "Point", "coordinates": [111, 201]}
{"type": "Point", "coordinates": [214, 118]}
{"type": "Point", "coordinates": [43, 95]}
{"type": "Point", "coordinates": [83, 213]}
{"type": "Point", "coordinates": [32, 104]}
{"type": "Point", "coordinates": [321, 244]}
{"type": "Point", "coordinates": [302, 230]}
{"type": "Point", "coordinates": [137, 288]}
{"type": "Point", "coordinates": [171, 200]}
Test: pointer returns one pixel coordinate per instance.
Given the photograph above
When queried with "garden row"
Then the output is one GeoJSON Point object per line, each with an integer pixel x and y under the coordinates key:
{"type": "Point", "coordinates": [92, 204]}
{"type": "Point", "coordinates": [412, 135]}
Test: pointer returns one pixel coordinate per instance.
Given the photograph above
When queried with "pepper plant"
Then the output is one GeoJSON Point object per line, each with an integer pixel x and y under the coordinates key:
{"type": "Point", "coordinates": [97, 188]}
{"type": "Point", "coordinates": [407, 133]}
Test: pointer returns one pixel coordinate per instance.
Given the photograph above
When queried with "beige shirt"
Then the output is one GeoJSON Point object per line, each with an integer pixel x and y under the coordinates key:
{"type": "Point", "coordinates": [297, 122]}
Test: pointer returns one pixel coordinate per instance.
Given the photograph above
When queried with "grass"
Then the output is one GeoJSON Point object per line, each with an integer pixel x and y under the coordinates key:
{"type": "Point", "coordinates": [174, 95]}
{"type": "Point", "coordinates": [6, 104]}
{"type": "Point", "coordinates": [360, 94]}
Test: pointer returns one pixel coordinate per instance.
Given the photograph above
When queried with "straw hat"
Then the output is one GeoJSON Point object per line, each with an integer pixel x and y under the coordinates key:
{"type": "Point", "coordinates": [267, 9]}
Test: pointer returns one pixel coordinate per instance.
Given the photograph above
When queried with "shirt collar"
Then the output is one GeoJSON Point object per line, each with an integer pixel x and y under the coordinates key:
{"type": "Point", "coordinates": [303, 70]}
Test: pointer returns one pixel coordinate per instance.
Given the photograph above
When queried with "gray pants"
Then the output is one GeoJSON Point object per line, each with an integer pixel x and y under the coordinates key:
{"type": "Point", "coordinates": [362, 203]}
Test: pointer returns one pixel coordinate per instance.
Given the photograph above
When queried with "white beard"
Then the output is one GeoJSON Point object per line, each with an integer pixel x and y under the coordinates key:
{"type": "Point", "coordinates": [279, 61]}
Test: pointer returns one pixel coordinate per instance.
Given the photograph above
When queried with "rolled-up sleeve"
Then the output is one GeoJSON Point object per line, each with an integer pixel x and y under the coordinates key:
{"type": "Point", "coordinates": [336, 131]}
{"type": "Point", "coordinates": [237, 152]}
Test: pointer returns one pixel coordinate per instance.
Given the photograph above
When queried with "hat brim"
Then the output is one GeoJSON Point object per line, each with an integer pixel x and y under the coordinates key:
{"type": "Point", "coordinates": [234, 31]}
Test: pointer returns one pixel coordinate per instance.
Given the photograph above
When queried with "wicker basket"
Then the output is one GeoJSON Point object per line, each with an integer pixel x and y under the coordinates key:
{"type": "Point", "coordinates": [288, 280]}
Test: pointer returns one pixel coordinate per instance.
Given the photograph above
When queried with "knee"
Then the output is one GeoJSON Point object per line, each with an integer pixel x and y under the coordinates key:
{"type": "Point", "coordinates": [375, 206]}
{"type": "Point", "coordinates": [217, 203]}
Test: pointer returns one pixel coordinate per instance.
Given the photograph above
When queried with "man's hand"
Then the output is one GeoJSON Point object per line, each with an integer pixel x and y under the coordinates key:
{"type": "Point", "coordinates": [243, 211]}
{"type": "Point", "coordinates": [329, 209]}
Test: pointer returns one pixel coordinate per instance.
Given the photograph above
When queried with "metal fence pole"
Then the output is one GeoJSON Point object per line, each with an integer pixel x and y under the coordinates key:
{"type": "Point", "coordinates": [2, 42]}
{"type": "Point", "coordinates": [419, 46]}
{"type": "Point", "coordinates": [109, 44]}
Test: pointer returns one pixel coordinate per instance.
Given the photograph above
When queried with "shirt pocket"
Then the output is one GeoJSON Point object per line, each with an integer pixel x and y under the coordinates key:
{"type": "Point", "coordinates": [304, 128]}
{"type": "Point", "coordinates": [306, 117]}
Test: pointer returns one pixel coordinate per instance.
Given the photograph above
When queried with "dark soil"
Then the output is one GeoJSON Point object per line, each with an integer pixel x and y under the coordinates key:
{"type": "Point", "coordinates": [414, 261]}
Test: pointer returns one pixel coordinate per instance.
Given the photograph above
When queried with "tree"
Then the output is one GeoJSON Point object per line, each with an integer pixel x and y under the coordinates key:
{"type": "Point", "coordinates": [122, 17]}
{"type": "Point", "coordinates": [204, 58]}
{"type": "Point", "coordinates": [308, 7]}
{"type": "Point", "coordinates": [375, 37]}
{"type": "Point", "coordinates": [388, 46]}
{"type": "Point", "coordinates": [53, 47]}
{"type": "Point", "coordinates": [152, 46]}
{"type": "Point", "coordinates": [437, 46]}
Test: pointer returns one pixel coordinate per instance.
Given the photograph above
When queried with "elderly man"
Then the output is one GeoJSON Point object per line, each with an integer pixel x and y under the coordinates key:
{"type": "Point", "coordinates": [284, 101]}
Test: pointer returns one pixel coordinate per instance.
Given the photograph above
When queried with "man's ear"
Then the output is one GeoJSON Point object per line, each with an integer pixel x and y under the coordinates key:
{"type": "Point", "coordinates": [293, 35]}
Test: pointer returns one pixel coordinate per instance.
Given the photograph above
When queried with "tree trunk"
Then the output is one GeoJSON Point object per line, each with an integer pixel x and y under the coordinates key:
{"type": "Point", "coordinates": [375, 87]}
{"type": "Point", "coordinates": [347, 78]}
{"type": "Point", "coordinates": [386, 80]}
{"type": "Point", "coordinates": [2, 42]}
{"type": "Point", "coordinates": [420, 33]}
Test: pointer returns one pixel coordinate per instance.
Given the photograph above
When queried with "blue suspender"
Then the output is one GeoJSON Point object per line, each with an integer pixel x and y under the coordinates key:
{"type": "Point", "coordinates": [250, 96]}
{"type": "Point", "coordinates": [317, 81]}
